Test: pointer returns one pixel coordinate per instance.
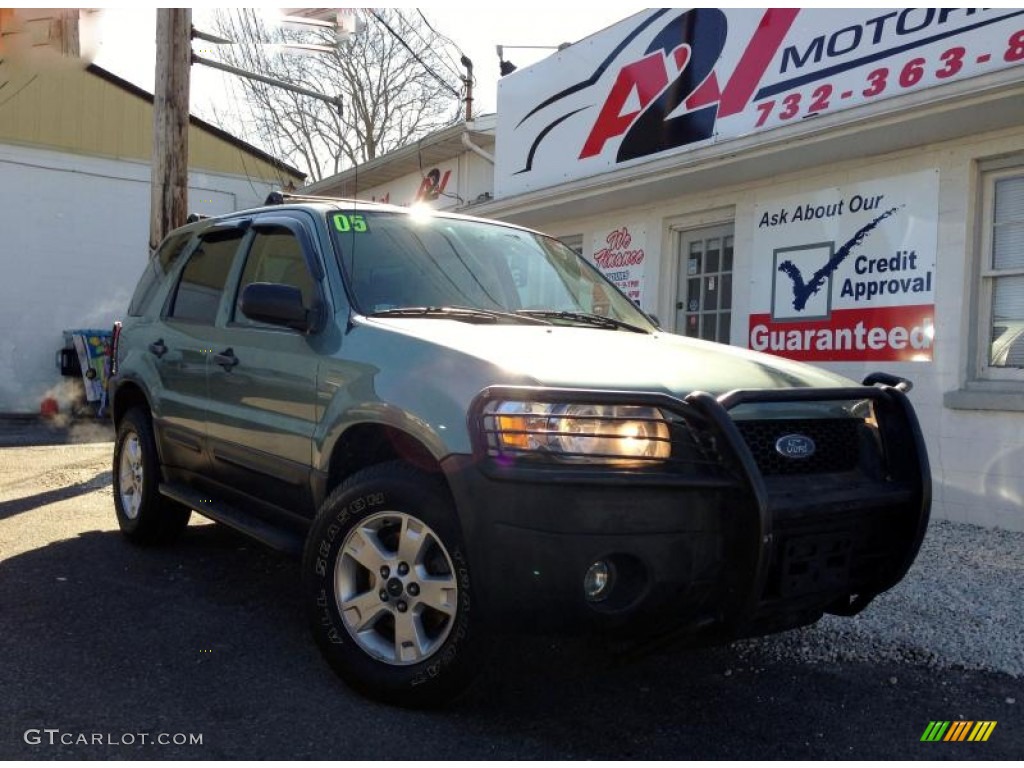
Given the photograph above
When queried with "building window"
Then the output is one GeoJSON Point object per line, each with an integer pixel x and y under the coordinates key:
{"type": "Point", "coordinates": [1001, 319]}
{"type": "Point", "coordinates": [574, 242]}
{"type": "Point", "coordinates": [704, 283]}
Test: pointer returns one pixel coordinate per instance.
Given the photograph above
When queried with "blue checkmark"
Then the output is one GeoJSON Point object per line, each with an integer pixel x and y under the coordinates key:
{"type": "Point", "coordinates": [803, 291]}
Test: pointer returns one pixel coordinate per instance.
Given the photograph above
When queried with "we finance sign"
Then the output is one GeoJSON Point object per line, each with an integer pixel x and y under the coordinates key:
{"type": "Point", "coordinates": [847, 273]}
{"type": "Point", "coordinates": [668, 80]}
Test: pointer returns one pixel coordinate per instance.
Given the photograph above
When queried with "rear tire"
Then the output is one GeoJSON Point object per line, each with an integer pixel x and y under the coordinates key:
{"type": "Point", "coordinates": [143, 514]}
{"type": "Point", "coordinates": [387, 588]}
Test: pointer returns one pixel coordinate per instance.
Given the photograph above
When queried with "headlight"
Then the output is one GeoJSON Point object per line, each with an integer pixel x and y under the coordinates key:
{"type": "Point", "coordinates": [590, 433]}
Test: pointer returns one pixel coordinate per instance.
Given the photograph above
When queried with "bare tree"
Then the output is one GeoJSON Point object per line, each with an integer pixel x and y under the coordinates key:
{"type": "Point", "coordinates": [392, 93]}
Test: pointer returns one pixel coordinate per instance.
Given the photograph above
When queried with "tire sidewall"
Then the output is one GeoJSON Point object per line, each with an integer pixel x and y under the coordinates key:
{"type": "Point", "coordinates": [388, 489]}
{"type": "Point", "coordinates": [129, 425]}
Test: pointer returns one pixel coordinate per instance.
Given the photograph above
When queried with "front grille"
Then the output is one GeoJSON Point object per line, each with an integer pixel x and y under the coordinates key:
{"type": "Point", "coordinates": [836, 443]}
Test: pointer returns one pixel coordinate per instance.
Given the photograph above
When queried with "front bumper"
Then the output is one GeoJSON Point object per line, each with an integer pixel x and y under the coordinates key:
{"type": "Point", "coordinates": [728, 550]}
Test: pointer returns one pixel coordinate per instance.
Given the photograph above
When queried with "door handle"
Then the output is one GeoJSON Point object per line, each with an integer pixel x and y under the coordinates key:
{"type": "Point", "coordinates": [158, 348]}
{"type": "Point", "coordinates": [226, 359]}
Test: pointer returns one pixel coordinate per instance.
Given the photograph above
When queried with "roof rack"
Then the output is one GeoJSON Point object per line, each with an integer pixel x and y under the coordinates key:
{"type": "Point", "coordinates": [280, 198]}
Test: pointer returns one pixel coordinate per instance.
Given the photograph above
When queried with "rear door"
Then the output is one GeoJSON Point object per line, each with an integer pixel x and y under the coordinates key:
{"type": "Point", "coordinates": [262, 378]}
{"type": "Point", "coordinates": [180, 345]}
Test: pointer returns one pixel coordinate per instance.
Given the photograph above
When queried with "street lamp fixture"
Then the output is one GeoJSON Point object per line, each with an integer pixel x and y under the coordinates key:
{"type": "Point", "coordinates": [507, 67]}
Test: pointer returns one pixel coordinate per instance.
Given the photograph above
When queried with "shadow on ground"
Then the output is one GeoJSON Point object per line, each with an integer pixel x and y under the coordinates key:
{"type": "Point", "coordinates": [208, 637]}
{"type": "Point", "coordinates": [36, 500]}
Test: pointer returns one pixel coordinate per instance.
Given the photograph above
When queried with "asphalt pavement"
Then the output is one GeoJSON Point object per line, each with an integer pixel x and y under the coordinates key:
{"type": "Point", "coordinates": [109, 649]}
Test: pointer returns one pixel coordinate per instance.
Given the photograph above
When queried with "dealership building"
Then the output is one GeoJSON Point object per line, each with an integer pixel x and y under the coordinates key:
{"type": "Point", "coordinates": [843, 187]}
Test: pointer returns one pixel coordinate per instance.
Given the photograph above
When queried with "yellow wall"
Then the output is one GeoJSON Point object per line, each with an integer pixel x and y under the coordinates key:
{"type": "Point", "coordinates": [73, 110]}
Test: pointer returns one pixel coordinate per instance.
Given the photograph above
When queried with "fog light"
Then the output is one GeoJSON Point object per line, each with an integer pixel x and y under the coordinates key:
{"type": "Point", "coordinates": [598, 581]}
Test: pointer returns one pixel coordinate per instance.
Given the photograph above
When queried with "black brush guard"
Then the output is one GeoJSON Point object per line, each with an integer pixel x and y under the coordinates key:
{"type": "Point", "coordinates": [745, 606]}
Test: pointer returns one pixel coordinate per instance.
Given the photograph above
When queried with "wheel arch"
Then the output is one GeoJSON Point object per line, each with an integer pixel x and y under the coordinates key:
{"type": "Point", "coordinates": [367, 444]}
{"type": "Point", "coordinates": [129, 394]}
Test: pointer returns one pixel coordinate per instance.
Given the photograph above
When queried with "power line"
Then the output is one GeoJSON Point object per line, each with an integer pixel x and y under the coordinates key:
{"type": "Point", "coordinates": [443, 37]}
{"type": "Point", "coordinates": [444, 55]}
{"type": "Point", "coordinates": [430, 70]}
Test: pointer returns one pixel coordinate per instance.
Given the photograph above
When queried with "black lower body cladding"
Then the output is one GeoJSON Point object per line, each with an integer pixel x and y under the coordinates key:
{"type": "Point", "coordinates": [681, 557]}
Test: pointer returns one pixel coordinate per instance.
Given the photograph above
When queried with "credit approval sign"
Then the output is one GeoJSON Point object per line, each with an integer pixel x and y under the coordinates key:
{"type": "Point", "coordinates": [847, 273]}
{"type": "Point", "coordinates": [667, 80]}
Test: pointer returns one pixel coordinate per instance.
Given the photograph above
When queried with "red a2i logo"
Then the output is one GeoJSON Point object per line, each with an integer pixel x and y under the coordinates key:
{"type": "Point", "coordinates": [669, 112]}
{"type": "Point", "coordinates": [432, 186]}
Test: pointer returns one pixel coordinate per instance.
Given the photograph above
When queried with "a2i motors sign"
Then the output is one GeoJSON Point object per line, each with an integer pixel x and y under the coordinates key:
{"type": "Point", "coordinates": [668, 80]}
{"type": "Point", "coordinates": [847, 273]}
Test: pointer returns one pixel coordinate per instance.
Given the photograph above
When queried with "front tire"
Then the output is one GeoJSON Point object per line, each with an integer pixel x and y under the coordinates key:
{"type": "Point", "coordinates": [387, 588]}
{"type": "Point", "coordinates": [143, 514]}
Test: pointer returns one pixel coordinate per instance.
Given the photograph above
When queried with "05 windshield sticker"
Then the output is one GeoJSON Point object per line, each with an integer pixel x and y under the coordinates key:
{"type": "Point", "coordinates": [350, 222]}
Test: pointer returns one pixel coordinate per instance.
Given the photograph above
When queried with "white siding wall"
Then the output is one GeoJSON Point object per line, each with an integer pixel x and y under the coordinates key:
{"type": "Point", "coordinates": [73, 242]}
{"type": "Point", "coordinates": [977, 456]}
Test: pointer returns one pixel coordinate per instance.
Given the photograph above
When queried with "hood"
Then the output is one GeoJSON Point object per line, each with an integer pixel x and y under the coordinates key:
{"type": "Point", "coordinates": [589, 358]}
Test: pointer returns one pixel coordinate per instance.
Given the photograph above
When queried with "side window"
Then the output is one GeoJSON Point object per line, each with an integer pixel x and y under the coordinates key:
{"type": "Point", "coordinates": [275, 257]}
{"type": "Point", "coordinates": [160, 263]}
{"type": "Point", "coordinates": [202, 282]}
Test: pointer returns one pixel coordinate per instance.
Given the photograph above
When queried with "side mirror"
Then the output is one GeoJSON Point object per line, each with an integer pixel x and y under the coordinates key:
{"type": "Point", "coordinates": [277, 304]}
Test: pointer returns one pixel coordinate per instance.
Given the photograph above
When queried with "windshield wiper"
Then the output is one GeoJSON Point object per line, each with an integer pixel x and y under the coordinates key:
{"type": "Point", "coordinates": [599, 321]}
{"type": "Point", "coordinates": [466, 314]}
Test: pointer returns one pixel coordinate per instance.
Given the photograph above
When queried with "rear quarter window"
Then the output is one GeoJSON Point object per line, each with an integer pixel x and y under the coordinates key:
{"type": "Point", "coordinates": [160, 264]}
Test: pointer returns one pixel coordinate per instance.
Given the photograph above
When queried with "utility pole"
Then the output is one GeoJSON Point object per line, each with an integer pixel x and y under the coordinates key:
{"type": "Point", "coordinates": [169, 200]}
{"type": "Point", "coordinates": [70, 42]}
{"type": "Point", "coordinates": [468, 80]}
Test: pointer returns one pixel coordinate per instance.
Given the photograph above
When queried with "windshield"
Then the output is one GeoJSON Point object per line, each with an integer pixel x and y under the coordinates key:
{"type": "Point", "coordinates": [396, 260]}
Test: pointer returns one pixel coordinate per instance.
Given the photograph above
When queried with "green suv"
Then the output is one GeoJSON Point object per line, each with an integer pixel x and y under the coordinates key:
{"type": "Point", "coordinates": [463, 428]}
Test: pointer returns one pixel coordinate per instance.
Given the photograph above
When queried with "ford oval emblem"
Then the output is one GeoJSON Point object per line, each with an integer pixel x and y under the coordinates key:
{"type": "Point", "coordinates": [795, 446]}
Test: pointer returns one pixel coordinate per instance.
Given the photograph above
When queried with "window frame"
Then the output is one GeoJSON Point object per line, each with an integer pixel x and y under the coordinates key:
{"type": "Point", "coordinates": [688, 236]}
{"type": "Point", "coordinates": [172, 296]}
{"type": "Point", "coordinates": [986, 276]}
{"type": "Point", "coordinates": [310, 259]}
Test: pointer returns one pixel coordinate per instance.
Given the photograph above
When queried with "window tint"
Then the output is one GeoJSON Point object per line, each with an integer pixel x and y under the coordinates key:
{"type": "Point", "coordinates": [202, 281]}
{"type": "Point", "coordinates": [160, 263]}
{"type": "Point", "coordinates": [275, 257]}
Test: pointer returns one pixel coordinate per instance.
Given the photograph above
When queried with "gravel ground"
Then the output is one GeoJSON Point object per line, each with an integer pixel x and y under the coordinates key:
{"type": "Point", "coordinates": [961, 606]}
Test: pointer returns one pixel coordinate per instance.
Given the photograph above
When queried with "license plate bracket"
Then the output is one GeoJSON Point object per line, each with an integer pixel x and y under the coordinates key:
{"type": "Point", "coordinates": [815, 563]}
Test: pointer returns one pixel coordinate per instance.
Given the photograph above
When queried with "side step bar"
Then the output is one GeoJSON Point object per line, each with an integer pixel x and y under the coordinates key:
{"type": "Point", "coordinates": [275, 537]}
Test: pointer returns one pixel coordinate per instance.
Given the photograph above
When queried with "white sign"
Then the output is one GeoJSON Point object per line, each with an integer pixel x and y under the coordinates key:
{"type": "Point", "coordinates": [620, 256]}
{"type": "Point", "coordinates": [847, 273]}
{"type": "Point", "coordinates": [437, 186]}
{"type": "Point", "coordinates": [668, 80]}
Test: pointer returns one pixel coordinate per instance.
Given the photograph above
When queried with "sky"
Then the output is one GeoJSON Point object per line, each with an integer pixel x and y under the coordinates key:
{"type": "Point", "coordinates": [126, 41]}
